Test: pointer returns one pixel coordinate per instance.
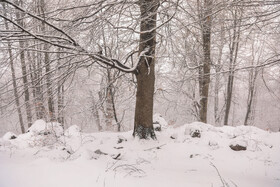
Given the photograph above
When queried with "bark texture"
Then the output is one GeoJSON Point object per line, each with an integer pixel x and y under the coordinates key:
{"type": "Point", "coordinates": [143, 121]}
{"type": "Point", "coordinates": [205, 69]}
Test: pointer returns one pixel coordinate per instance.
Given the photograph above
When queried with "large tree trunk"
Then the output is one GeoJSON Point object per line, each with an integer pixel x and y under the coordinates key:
{"type": "Point", "coordinates": [205, 69]}
{"type": "Point", "coordinates": [143, 121]}
{"type": "Point", "coordinates": [24, 72]}
{"type": "Point", "coordinates": [16, 95]}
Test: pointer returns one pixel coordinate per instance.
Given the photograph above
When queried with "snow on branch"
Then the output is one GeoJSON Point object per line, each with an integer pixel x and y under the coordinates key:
{"type": "Point", "coordinates": [65, 41]}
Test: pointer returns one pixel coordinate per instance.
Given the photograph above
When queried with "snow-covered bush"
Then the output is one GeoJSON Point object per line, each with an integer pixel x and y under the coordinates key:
{"type": "Point", "coordinates": [40, 134]}
{"type": "Point", "coordinates": [159, 122]}
{"type": "Point", "coordinates": [73, 130]}
{"type": "Point", "coordinates": [40, 127]}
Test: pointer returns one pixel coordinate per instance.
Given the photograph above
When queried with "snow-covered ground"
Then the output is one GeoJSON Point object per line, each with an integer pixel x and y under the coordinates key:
{"type": "Point", "coordinates": [48, 157]}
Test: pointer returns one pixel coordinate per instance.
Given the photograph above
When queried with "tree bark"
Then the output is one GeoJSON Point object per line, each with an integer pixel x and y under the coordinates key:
{"type": "Point", "coordinates": [143, 121]}
{"type": "Point", "coordinates": [109, 103]}
{"type": "Point", "coordinates": [205, 69]}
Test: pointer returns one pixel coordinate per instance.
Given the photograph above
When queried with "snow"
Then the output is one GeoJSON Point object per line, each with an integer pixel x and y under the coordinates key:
{"type": "Point", "coordinates": [41, 127]}
{"type": "Point", "coordinates": [74, 130]}
{"type": "Point", "coordinates": [9, 136]}
{"type": "Point", "coordinates": [119, 160]}
{"type": "Point", "coordinates": [159, 121]}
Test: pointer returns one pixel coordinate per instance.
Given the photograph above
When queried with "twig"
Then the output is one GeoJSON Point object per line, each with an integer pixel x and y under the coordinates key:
{"type": "Point", "coordinates": [225, 184]}
{"type": "Point", "coordinates": [157, 147]}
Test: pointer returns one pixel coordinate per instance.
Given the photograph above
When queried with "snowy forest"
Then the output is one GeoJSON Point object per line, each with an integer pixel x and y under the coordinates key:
{"type": "Point", "coordinates": [79, 76]}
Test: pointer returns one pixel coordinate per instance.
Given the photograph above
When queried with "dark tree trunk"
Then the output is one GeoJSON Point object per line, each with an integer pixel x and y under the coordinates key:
{"type": "Point", "coordinates": [205, 69]}
{"type": "Point", "coordinates": [143, 121]}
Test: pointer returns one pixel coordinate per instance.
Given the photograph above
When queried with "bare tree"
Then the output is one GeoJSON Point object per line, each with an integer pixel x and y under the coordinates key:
{"type": "Point", "coordinates": [233, 47]}
{"type": "Point", "coordinates": [20, 22]}
{"type": "Point", "coordinates": [144, 68]}
{"type": "Point", "coordinates": [15, 88]}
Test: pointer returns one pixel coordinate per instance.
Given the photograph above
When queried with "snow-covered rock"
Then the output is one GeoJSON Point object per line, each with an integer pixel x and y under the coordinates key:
{"type": "Point", "coordinates": [9, 136]}
{"type": "Point", "coordinates": [239, 145]}
{"type": "Point", "coordinates": [213, 144]}
{"type": "Point", "coordinates": [197, 127]}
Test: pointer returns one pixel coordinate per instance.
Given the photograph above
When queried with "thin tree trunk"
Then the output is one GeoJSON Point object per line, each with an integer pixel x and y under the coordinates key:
{"type": "Point", "coordinates": [218, 67]}
{"type": "Point", "coordinates": [60, 94]}
{"type": "Point", "coordinates": [37, 83]}
{"type": "Point", "coordinates": [24, 72]}
{"type": "Point", "coordinates": [143, 121]}
{"type": "Point", "coordinates": [205, 69]}
{"type": "Point", "coordinates": [14, 78]}
{"type": "Point", "coordinates": [232, 60]}
{"type": "Point", "coordinates": [51, 111]}
{"type": "Point", "coordinates": [251, 95]}
{"type": "Point", "coordinates": [95, 113]}
{"type": "Point", "coordinates": [109, 104]}
{"type": "Point", "coordinates": [35, 76]}
{"type": "Point", "coordinates": [114, 110]}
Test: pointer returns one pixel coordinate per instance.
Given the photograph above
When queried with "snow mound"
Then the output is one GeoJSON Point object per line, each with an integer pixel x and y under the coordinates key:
{"type": "Point", "coordinates": [38, 135]}
{"type": "Point", "coordinates": [73, 130]}
{"type": "Point", "coordinates": [159, 122]}
{"type": "Point", "coordinates": [40, 127]}
{"type": "Point", "coordinates": [9, 136]}
{"type": "Point", "coordinates": [198, 127]}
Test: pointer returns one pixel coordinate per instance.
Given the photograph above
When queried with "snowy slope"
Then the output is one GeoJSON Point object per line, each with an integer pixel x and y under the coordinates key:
{"type": "Point", "coordinates": [39, 159]}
